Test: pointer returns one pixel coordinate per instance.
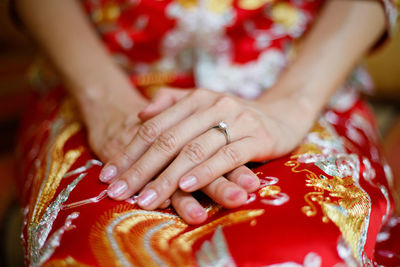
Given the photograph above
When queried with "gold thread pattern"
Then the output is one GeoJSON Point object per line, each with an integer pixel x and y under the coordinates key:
{"type": "Point", "coordinates": [58, 169]}
{"type": "Point", "coordinates": [54, 163]}
{"type": "Point", "coordinates": [159, 237]}
{"type": "Point", "coordinates": [286, 15]}
{"type": "Point", "coordinates": [219, 6]}
{"type": "Point", "coordinates": [188, 3]}
{"type": "Point", "coordinates": [341, 201]}
{"type": "Point", "coordinates": [67, 262]}
{"type": "Point", "coordinates": [252, 4]}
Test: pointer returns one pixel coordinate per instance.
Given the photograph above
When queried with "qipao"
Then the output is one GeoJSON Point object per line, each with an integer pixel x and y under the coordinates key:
{"type": "Point", "coordinates": [328, 203]}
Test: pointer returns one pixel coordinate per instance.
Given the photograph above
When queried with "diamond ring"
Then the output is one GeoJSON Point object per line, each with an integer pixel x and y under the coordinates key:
{"type": "Point", "coordinates": [223, 127]}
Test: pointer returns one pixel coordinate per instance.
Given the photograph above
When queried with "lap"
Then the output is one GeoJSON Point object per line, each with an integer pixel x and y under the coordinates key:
{"type": "Point", "coordinates": [323, 204]}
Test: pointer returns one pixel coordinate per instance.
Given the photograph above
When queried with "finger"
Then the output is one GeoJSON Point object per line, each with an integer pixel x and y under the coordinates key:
{"type": "Point", "coordinates": [225, 160]}
{"type": "Point", "coordinates": [166, 183]}
{"type": "Point", "coordinates": [147, 134]}
{"type": "Point", "coordinates": [161, 152]}
{"type": "Point", "coordinates": [163, 99]}
{"type": "Point", "coordinates": [245, 178]}
{"type": "Point", "coordinates": [165, 204]}
{"type": "Point", "coordinates": [226, 193]}
{"type": "Point", "coordinates": [192, 154]}
{"type": "Point", "coordinates": [188, 208]}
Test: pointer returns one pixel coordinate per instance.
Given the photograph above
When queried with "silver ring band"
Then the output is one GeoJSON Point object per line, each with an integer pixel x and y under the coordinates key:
{"type": "Point", "coordinates": [223, 127]}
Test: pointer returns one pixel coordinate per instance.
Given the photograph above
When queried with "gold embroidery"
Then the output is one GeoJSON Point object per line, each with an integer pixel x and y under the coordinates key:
{"type": "Point", "coordinates": [67, 262]}
{"type": "Point", "coordinates": [59, 165]}
{"type": "Point", "coordinates": [286, 15]}
{"type": "Point", "coordinates": [107, 13]}
{"type": "Point", "coordinates": [306, 149]}
{"type": "Point", "coordinates": [341, 201]}
{"type": "Point", "coordinates": [188, 3]}
{"type": "Point", "coordinates": [184, 242]}
{"type": "Point", "coordinates": [310, 148]}
{"type": "Point", "coordinates": [269, 191]}
{"type": "Point", "coordinates": [252, 4]}
{"type": "Point", "coordinates": [158, 238]}
{"type": "Point", "coordinates": [54, 164]}
{"type": "Point", "coordinates": [219, 6]}
{"type": "Point", "coordinates": [68, 112]}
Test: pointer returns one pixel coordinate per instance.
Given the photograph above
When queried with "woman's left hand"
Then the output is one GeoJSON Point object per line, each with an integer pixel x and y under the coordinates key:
{"type": "Point", "coordinates": [180, 145]}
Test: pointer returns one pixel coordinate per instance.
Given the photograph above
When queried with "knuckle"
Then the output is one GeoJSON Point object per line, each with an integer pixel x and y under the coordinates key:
{"type": "Point", "coordinates": [133, 175]}
{"type": "Point", "coordinates": [220, 187]}
{"type": "Point", "coordinates": [194, 152]}
{"type": "Point", "coordinates": [148, 132]}
{"type": "Point", "coordinates": [125, 158]}
{"type": "Point", "coordinates": [209, 171]}
{"type": "Point", "coordinates": [118, 142]}
{"type": "Point", "coordinates": [166, 142]}
{"type": "Point", "coordinates": [215, 188]}
{"type": "Point", "coordinates": [232, 155]}
{"type": "Point", "coordinates": [225, 102]}
{"type": "Point", "coordinates": [109, 148]}
{"type": "Point", "coordinates": [199, 93]}
{"type": "Point", "coordinates": [168, 183]}
{"type": "Point", "coordinates": [130, 131]}
{"type": "Point", "coordinates": [246, 116]}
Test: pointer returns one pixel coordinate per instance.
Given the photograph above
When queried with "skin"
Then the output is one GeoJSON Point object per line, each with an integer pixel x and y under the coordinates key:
{"type": "Point", "coordinates": [157, 148]}
{"type": "Point", "coordinates": [108, 103]}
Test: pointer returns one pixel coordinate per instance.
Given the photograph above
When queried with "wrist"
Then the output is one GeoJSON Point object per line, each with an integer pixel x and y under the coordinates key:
{"type": "Point", "coordinates": [295, 107]}
{"type": "Point", "coordinates": [104, 85]}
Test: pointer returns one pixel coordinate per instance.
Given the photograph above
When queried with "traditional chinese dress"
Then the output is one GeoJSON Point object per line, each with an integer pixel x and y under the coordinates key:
{"type": "Point", "coordinates": [328, 203]}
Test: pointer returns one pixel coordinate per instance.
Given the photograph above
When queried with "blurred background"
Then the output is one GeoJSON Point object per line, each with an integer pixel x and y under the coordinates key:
{"type": "Point", "coordinates": [17, 53]}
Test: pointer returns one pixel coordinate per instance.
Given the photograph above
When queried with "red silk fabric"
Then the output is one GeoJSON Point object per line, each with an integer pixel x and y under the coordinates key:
{"type": "Point", "coordinates": [324, 204]}
{"type": "Point", "coordinates": [325, 212]}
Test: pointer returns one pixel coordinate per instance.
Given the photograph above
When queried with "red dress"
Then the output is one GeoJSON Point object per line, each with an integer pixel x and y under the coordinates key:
{"type": "Point", "coordinates": [328, 203]}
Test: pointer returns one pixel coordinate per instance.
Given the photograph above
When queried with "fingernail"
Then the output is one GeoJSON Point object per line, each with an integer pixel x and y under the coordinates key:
{"type": "Point", "coordinates": [108, 173]}
{"type": "Point", "coordinates": [187, 182]}
{"type": "Point", "coordinates": [195, 211]}
{"type": "Point", "coordinates": [116, 189]}
{"type": "Point", "coordinates": [247, 181]}
{"type": "Point", "coordinates": [233, 194]}
{"type": "Point", "coordinates": [147, 197]}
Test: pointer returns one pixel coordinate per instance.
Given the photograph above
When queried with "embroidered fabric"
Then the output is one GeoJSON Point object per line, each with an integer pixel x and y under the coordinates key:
{"type": "Point", "coordinates": [322, 205]}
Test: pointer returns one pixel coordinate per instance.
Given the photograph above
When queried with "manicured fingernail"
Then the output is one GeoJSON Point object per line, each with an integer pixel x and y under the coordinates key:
{"type": "Point", "coordinates": [195, 211]}
{"type": "Point", "coordinates": [247, 181]}
{"type": "Point", "coordinates": [233, 193]}
{"type": "Point", "coordinates": [147, 197]}
{"type": "Point", "coordinates": [108, 173]}
{"type": "Point", "coordinates": [187, 182]}
{"type": "Point", "coordinates": [116, 189]}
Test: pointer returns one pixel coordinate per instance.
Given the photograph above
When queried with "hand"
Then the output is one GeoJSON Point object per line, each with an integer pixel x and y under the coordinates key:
{"type": "Point", "coordinates": [111, 119]}
{"type": "Point", "coordinates": [179, 137]}
{"type": "Point", "coordinates": [184, 203]}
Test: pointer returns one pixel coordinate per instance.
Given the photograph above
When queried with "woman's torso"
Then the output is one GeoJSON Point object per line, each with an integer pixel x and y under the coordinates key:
{"type": "Point", "coordinates": [237, 46]}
